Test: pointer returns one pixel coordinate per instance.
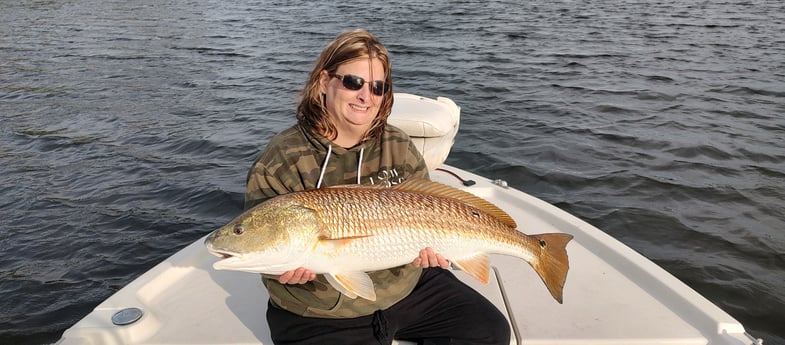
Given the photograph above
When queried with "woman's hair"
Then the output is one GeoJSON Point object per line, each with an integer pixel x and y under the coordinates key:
{"type": "Point", "coordinates": [312, 111]}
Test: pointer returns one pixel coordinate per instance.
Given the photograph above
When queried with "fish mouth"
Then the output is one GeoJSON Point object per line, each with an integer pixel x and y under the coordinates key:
{"type": "Point", "coordinates": [223, 254]}
{"type": "Point", "coordinates": [226, 259]}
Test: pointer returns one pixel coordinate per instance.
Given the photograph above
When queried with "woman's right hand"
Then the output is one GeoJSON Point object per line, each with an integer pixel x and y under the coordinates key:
{"type": "Point", "coordinates": [298, 276]}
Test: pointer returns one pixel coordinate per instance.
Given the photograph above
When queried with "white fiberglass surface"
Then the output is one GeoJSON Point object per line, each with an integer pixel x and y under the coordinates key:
{"type": "Point", "coordinates": [612, 294]}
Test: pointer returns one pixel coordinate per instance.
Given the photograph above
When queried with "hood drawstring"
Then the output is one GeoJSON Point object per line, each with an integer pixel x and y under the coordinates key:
{"type": "Point", "coordinates": [324, 166]}
{"type": "Point", "coordinates": [360, 165]}
{"type": "Point", "coordinates": [327, 159]}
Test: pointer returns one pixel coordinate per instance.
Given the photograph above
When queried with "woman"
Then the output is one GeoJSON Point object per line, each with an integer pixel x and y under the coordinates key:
{"type": "Point", "coordinates": [342, 137]}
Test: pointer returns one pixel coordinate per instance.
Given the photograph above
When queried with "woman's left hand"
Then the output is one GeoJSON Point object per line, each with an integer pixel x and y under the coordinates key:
{"type": "Point", "coordinates": [429, 258]}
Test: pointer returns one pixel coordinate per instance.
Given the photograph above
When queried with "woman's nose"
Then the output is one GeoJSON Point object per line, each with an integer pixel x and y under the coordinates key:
{"type": "Point", "coordinates": [364, 93]}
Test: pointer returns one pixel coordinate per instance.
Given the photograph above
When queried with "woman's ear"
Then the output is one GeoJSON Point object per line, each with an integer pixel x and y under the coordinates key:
{"type": "Point", "coordinates": [324, 78]}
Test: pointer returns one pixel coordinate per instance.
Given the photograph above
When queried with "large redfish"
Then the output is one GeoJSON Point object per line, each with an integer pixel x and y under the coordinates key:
{"type": "Point", "coordinates": [343, 232]}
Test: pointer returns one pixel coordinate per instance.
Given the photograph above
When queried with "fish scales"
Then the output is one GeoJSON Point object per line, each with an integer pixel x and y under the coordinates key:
{"type": "Point", "coordinates": [403, 222]}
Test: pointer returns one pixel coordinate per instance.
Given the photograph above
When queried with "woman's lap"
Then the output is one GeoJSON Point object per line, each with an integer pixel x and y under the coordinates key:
{"type": "Point", "coordinates": [440, 310]}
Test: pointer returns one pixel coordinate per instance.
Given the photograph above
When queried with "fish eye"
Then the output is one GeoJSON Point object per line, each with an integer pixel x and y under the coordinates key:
{"type": "Point", "coordinates": [238, 229]}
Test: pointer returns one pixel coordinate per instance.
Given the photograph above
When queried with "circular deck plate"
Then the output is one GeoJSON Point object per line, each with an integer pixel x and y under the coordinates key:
{"type": "Point", "coordinates": [127, 316]}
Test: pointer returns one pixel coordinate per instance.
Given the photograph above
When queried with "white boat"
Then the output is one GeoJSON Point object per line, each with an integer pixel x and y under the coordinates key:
{"type": "Point", "coordinates": [613, 295]}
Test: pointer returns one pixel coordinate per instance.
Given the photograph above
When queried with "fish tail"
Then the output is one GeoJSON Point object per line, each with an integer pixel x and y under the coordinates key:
{"type": "Point", "coordinates": [552, 263]}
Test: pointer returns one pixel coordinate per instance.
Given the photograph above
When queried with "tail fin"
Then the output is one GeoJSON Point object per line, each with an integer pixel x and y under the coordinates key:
{"type": "Point", "coordinates": [552, 262]}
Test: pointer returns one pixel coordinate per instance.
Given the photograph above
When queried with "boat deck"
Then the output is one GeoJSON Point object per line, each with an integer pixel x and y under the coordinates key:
{"type": "Point", "coordinates": [613, 295]}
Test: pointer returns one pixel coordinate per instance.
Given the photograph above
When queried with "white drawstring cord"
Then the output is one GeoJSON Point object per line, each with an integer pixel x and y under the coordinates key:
{"type": "Point", "coordinates": [360, 165]}
{"type": "Point", "coordinates": [327, 159]}
{"type": "Point", "coordinates": [324, 166]}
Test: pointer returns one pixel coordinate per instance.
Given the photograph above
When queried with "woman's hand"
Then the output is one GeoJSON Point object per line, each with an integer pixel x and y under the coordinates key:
{"type": "Point", "coordinates": [429, 258]}
{"type": "Point", "coordinates": [298, 276]}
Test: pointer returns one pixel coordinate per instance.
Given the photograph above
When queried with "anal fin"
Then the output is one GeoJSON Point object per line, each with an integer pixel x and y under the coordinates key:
{"type": "Point", "coordinates": [478, 266]}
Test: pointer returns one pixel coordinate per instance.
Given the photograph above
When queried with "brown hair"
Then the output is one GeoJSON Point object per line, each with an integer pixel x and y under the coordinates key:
{"type": "Point", "coordinates": [312, 112]}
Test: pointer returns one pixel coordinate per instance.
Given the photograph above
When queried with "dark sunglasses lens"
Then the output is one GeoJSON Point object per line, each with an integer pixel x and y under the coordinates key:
{"type": "Point", "coordinates": [353, 82]}
{"type": "Point", "coordinates": [378, 88]}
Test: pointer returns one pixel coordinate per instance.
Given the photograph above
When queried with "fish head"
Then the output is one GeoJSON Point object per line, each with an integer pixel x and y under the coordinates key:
{"type": "Point", "coordinates": [272, 238]}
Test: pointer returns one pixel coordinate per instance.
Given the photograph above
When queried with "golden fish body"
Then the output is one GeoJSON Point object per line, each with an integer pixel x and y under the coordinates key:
{"type": "Point", "coordinates": [343, 232]}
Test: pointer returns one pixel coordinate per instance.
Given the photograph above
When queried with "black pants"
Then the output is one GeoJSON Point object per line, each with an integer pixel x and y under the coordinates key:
{"type": "Point", "coordinates": [440, 310]}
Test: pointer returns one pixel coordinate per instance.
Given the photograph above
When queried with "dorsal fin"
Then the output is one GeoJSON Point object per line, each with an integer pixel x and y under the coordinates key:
{"type": "Point", "coordinates": [442, 190]}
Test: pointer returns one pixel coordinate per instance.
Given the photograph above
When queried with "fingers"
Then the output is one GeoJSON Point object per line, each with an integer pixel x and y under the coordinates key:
{"type": "Point", "coordinates": [298, 276]}
{"type": "Point", "coordinates": [442, 262]}
{"type": "Point", "coordinates": [428, 258]}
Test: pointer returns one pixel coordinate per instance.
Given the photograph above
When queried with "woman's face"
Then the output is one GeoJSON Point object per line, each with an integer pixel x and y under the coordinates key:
{"type": "Point", "coordinates": [352, 111]}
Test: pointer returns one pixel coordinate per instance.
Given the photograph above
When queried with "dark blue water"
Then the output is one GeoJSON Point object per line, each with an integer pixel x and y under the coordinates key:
{"type": "Point", "coordinates": [127, 128]}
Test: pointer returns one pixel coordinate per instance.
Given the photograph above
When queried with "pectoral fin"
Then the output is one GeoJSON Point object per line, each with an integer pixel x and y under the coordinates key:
{"type": "Point", "coordinates": [477, 266]}
{"type": "Point", "coordinates": [353, 284]}
{"type": "Point", "coordinates": [335, 244]}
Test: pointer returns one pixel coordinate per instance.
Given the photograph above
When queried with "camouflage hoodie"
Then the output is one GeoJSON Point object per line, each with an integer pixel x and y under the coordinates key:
{"type": "Point", "coordinates": [296, 160]}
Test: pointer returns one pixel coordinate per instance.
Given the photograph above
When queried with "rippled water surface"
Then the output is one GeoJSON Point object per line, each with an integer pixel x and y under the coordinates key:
{"type": "Point", "coordinates": [127, 128]}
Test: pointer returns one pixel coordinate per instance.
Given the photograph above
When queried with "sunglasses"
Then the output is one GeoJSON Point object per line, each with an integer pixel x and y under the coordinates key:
{"type": "Point", "coordinates": [353, 82]}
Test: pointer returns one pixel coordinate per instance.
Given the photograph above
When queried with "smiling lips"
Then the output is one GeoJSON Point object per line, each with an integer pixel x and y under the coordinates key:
{"type": "Point", "coordinates": [359, 108]}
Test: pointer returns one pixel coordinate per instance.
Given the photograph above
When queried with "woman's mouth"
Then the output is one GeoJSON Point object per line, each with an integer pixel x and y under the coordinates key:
{"type": "Point", "coordinates": [358, 108]}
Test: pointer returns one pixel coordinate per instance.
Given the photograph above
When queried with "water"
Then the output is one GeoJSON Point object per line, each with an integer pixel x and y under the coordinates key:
{"type": "Point", "coordinates": [127, 128]}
